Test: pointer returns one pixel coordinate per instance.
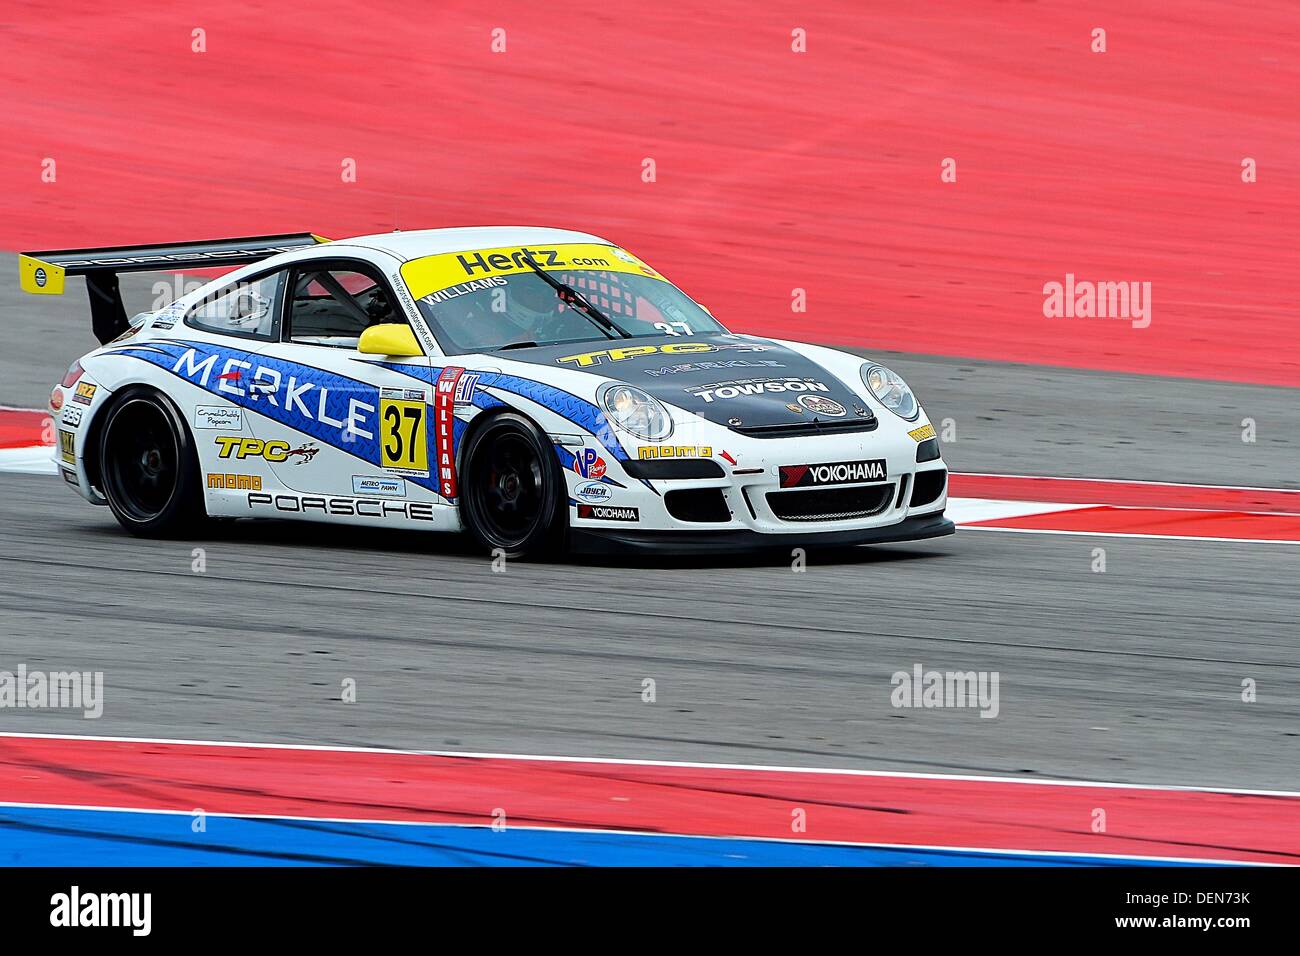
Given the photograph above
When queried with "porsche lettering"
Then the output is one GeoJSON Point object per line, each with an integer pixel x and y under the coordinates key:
{"type": "Point", "coordinates": [342, 507]}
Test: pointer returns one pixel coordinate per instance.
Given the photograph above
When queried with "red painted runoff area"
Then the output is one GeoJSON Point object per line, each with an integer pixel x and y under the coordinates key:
{"type": "Point", "coordinates": [248, 780]}
{"type": "Point", "coordinates": [759, 154]}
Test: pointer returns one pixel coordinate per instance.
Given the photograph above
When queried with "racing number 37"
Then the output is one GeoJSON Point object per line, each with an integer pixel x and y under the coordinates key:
{"type": "Point", "coordinates": [404, 435]}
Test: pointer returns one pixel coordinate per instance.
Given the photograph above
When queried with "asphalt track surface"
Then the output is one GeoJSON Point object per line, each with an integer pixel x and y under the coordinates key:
{"type": "Point", "coordinates": [1133, 675]}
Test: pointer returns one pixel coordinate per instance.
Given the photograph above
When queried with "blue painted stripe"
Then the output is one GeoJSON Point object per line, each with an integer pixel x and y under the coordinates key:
{"type": "Point", "coordinates": [37, 836]}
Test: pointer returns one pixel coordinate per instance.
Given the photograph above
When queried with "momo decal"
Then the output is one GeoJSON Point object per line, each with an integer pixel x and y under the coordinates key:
{"type": "Point", "coordinates": [223, 482]}
{"type": "Point", "coordinates": [648, 452]}
{"type": "Point", "coordinates": [834, 473]}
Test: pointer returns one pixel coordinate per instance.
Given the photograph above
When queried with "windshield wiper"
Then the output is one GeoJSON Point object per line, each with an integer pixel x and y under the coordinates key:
{"type": "Point", "coordinates": [517, 345]}
{"type": "Point", "coordinates": [571, 296]}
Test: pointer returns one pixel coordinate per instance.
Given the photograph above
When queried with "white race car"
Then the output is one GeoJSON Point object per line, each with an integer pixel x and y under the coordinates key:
{"type": "Point", "coordinates": [532, 386]}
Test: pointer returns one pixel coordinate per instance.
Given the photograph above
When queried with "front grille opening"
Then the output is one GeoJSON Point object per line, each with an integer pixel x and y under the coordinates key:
{"type": "Point", "coordinates": [928, 450]}
{"type": "Point", "coordinates": [928, 486]}
{"type": "Point", "coordinates": [698, 504]}
{"type": "Point", "coordinates": [673, 468]}
{"type": "Point", "coordinates": [902, 492]}
{"type": "Point", "coordinates": [830, 504]}
{"type": "Point", "coordinates": [808, 429]}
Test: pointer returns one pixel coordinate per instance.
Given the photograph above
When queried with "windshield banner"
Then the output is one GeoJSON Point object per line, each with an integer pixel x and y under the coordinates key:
{"type": "Point", "coordinates": [434, 273]}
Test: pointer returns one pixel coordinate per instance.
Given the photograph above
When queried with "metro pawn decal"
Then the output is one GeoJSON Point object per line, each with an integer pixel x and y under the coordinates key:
{"type": "Point", "coordinates": [334, 409]}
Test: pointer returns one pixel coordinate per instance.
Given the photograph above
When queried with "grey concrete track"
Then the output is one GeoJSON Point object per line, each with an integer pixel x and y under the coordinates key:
{"type": "Point", "coordinates": [1131, 675]}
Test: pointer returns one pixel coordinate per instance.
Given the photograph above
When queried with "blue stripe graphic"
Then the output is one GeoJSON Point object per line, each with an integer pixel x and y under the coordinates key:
{"type": "Point", "coordinates": [38, 836]}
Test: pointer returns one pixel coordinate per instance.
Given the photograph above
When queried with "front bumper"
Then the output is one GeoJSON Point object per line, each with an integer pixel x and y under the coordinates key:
{"type": "Point", "coordinates": [759, 499]}
{"type": "Point", "coordinates": [591, 540]}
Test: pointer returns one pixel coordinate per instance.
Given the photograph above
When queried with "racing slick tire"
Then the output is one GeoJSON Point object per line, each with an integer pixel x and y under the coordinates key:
{"type": "Point", "coordinates": [513, 495]}
{"type": "Point", "coordinates": [148, 468]}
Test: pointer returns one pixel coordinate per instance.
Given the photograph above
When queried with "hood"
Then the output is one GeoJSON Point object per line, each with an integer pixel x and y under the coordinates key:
{"type": "Point", "coordinates": [737, 381]}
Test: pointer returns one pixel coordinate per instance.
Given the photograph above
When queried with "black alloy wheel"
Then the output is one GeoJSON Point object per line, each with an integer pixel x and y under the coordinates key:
{"type": "Point", "coordinates": [148, 469]}
{"type": "Point", "coordinates": [513, 494]}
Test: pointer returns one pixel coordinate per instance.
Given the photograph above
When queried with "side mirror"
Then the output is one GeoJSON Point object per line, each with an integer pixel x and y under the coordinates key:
{"type": "Point", "coordinates": [391, 338]}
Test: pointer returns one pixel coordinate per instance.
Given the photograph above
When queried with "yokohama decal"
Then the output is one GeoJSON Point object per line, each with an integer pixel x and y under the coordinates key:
{"type": "Point", "coordinates": [835, 473]}
{"type": "Point", "coordinates": [444, 410]}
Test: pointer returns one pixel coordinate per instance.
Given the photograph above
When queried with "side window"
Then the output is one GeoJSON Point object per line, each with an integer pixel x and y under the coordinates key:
{"type": "Point", "coordinates": [248, 309]}
{"type": "Point", "coordinates": [334, 305]}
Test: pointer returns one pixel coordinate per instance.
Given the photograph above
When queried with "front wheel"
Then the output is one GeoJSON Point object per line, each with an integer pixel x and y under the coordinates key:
{"type": "Point", "coordinates": [513, 494]}
{"type": "Point", "coordinates": [148, 467]}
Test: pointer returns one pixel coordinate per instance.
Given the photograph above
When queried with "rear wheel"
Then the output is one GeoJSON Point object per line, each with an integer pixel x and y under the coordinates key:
{"type": "Point", "coordinates": [513, 494]}
{"type": "Point", "coordinates": [148, 468]}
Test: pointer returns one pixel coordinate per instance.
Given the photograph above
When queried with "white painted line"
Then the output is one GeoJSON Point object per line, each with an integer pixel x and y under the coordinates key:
{"type": "Point", "coordinates": [1125, 481]}
{"type": "Point", "coordinates": [615, 761]}
{"type": "Point", "coordinates": [33, 460]}
{"type": "Point", "coordinates": [965, 510]}
{"type": "Point", "coordinates": [1132, 534]}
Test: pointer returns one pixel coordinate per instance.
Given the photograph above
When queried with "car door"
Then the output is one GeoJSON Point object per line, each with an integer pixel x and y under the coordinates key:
{"type": "Point", "coordinates": [354, 424]}
{"type": "Point", "coordinates": [239, 321]}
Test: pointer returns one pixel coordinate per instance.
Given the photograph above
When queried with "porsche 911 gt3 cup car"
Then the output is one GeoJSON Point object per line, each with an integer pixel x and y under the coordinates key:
{"type": "Point", "coordinates": [531, 386]}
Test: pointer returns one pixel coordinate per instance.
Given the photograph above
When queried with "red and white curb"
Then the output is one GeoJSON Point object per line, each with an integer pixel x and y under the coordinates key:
{"type": "Point", "coordinates": [1140, 509]}
{"type": "Point", "coordinates": [976, 502]}
{"type": "Point", "coordinates": [26, 442]}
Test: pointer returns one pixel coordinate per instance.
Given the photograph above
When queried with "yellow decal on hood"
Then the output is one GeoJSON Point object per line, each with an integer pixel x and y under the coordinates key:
{"type": "Point", "coordinates": [587, 359]}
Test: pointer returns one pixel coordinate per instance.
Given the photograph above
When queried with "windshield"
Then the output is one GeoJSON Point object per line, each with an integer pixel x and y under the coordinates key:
{"type": "Point", "coordinates": [520, 308]}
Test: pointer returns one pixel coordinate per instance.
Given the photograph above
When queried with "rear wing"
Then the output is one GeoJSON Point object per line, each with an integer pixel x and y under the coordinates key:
{"type": "Point", "coordinates": [43, 273]}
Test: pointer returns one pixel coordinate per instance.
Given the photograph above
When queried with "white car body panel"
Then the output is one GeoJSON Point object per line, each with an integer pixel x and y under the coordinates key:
{"type": "Point", "coordinates": [326, 403]}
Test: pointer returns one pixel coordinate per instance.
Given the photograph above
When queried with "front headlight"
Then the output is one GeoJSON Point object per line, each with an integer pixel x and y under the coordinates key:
{"type": "Point", "coordinates": [635, 411]}
{"type": "Point", "coordinates": [891, 391]}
